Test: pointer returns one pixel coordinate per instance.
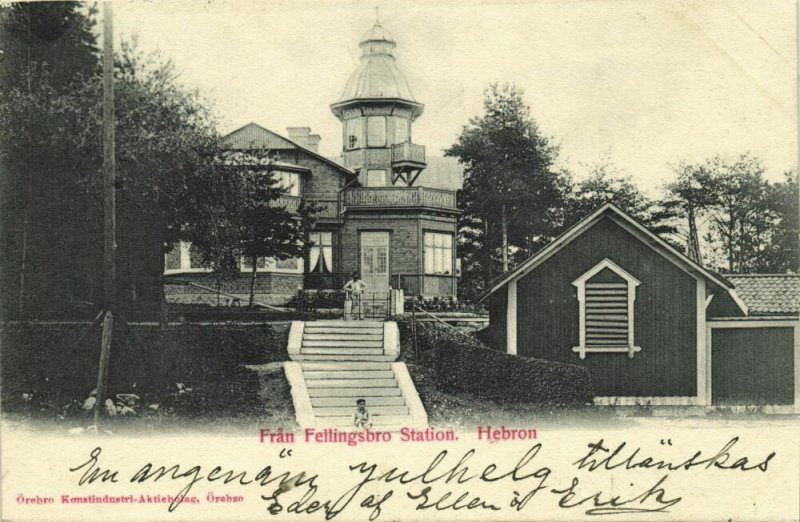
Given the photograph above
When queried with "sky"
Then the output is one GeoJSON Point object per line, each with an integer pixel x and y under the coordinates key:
{"type": "Point", "coordinates": [638, 83]}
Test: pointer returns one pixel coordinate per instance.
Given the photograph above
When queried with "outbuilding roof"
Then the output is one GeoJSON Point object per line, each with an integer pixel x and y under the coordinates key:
{"type": "Point", "coordinates": [768, 294]}
{"type": "Point", "coordinates": [632, 226]}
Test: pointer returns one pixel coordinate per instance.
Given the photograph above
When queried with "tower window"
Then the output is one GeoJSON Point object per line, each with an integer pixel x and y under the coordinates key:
{"type": "Point", "coordinates": [354, 133]}
{"type": "Point", "coordinates": [376, 131]}
{"type": "Point", "coordinates": [400, 130]}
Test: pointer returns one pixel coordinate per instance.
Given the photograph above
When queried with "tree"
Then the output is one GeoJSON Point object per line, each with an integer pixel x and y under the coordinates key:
{"type": "Point", "coordinates": [784, 253]}
{"type": "Point", "coordinates": [741, 215]}
{"type": "Point", "coordinates": [47, 41]}
{"type": "Point", "coordinates": [47, 132]}
{"type": "Point", "coordinates": [605, 183]}
{"type": "Point", "coordinates": [511, 190]}
{"type": "Point", "coordinates": [692, 193]}
{"type": "Point", "coordinates": [245, 217]}
{"type": "Point", "coordinates": [50, 146]}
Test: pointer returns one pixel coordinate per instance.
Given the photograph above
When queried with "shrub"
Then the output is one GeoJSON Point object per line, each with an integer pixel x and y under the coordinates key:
{"type": "Point", "coordinates": [462, 363]}
{"type": "Point", "coordinates": [46, 361]}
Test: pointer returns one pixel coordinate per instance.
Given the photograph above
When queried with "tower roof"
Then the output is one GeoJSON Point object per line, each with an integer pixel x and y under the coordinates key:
{"type": "Point", "coordinates": [377, 76]}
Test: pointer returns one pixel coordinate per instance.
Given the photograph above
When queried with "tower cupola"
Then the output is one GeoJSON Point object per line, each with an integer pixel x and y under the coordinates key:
{"type": "Point", "coordinates": [376, 109]}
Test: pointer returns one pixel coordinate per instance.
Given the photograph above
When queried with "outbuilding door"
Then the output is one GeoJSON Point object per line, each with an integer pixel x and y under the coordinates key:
{"type": "Point", "coordinates": [375, 262]}
{"type": "Point", "coordinates": [752, 366]}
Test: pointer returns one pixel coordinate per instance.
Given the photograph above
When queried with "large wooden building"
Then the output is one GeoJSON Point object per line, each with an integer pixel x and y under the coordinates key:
{"type": "Point", "coordinates": [652, 326]}
{"type": "Point", "coordinates": [377, 218]}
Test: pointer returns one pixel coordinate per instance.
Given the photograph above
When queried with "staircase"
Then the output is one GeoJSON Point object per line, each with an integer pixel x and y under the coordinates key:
{"type": "Point", "coordinates": [334, 363]}
{"type": "Point", "coordinates": [343, 341]}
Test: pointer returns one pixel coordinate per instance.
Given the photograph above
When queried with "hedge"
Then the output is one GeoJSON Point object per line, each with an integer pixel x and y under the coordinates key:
{"type": "Point", "coordinates": [462, 363]}
{"type": "Point", "coordinates": [47, 362]}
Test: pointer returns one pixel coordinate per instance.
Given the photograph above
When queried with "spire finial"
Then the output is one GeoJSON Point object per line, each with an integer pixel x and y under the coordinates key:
{"type": "Point", "coordinates": [377, 14]}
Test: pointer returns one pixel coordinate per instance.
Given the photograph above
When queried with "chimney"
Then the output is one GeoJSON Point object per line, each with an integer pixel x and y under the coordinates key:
{"type": "Point", "coordinates": [299, 135]}
{"type": "Point", "coordinates": [313, 142]}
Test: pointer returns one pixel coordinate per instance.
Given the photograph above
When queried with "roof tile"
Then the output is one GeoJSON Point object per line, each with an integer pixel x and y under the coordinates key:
{"type": "Point", "coordinates": [768, 294]}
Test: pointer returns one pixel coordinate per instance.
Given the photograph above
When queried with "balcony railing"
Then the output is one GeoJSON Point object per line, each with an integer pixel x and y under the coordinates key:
{"type": "Point", "coordinates": [399, 197]}
{"type": "Point", "coordinates": [426, 285]}
{"type": "Point", "coordinates": [328, 210]}
{"type": "Point", "coordinates": [328, 207]}
{"type": "Point", "coordinates": [408, 153]}
{"type": "Point", "coordinates": [292, 203]}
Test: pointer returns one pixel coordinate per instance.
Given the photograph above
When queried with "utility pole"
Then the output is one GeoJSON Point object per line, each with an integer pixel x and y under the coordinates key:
{"type": "Point", "coordinates": [109, 212]}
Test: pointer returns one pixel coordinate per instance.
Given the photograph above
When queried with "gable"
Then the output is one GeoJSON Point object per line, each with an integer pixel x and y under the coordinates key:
{"type": "Point", "coordinates": [252, 136]}
{"type": "Point", "coordinates": [642, 235]}
{"type": "Point", "coordinates": [604, 249]}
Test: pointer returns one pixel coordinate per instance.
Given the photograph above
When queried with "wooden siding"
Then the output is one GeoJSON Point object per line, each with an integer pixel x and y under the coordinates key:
{"type": "Point", "coordinates": [497, 319]}
{"type": "Point", "coordinates": [664, 316]}
{"type": "Point", "coordinates": [752, 366]}
{"type": "Point", "coordinates": [722, 305]}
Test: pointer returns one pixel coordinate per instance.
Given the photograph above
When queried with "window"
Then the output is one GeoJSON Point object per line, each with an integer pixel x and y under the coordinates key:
{"type": "Point", "coordinates": [320, 256]}
{"type": "Point", "coordinates": [376, 178]}
{"type": "Point", "coordinates": [291, 263]}
{"type": "Point", "coordinates": [269, 264]}
{"type": "Point", "coordinates": [376, 131]}
{"type": "Point", "coordinates": [606, 294]}
{"type": "Point", "coordinates": [247, 264]}
{"type": "Point", "coordinates": [289, 181]}
{"type": "Point", "coordinates": [172, 259]}
{"type": "Point", "coordinates": [400, 130]}
{"type": "Point", "coordinates": [438, 253]}
{"type": "Point", "coordinates": [354, 133]}
{"type": "Point", "coordinates": [184, 258]}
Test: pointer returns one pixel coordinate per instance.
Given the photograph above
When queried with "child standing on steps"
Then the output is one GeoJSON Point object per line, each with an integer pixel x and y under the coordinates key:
{"type": "Point", "coordinates": [361, 416]}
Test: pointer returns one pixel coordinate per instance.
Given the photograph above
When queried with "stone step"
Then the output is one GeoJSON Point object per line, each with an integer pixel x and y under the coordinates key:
{"type": "Point", "coordinates": [346, 324]}
{"type": "Point", "coordinates": [341, 351]}
{"type": "Point", "coordinates": [346, 332]}
{"type": "Point", "coordinates": [355, 393]}
{"type": "Point", "coordinates": [347, 374]}
{"type": "Point", "coordinates": [351, 383]}
{"type": "Point", "coordinates": [355, 336]}
{"type": "Point", "coordinates": [328, 357]}
{"type": "Point", "coordinates": [349, 366]}
{"type": "Point", "coordinates": [348, 411]}
{"type": "Point", "coordinates": [321, 350]}
{"type": "Point", "coordinates": [351, 401]}
{"type": "Point", "coordinates": [343, 343]}
{"type": "Point", "coordinates": [377, 420]}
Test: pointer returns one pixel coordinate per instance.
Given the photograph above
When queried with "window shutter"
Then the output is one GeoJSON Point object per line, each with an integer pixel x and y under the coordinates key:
{"type": "Point", "coordinates": [606, 314]}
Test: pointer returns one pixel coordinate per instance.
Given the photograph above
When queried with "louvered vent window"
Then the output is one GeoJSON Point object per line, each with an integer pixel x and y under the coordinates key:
{"type": "Point", "coordinates": [606, 313]}
{"type": "Point", "coordinates": [606, 295]}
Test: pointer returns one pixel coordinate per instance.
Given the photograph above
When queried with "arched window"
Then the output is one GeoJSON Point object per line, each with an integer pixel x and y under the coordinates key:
{"type": "Point", "coordinates": [606, 294]}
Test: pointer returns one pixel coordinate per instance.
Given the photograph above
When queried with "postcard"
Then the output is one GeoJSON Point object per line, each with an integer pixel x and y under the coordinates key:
{"type": "Point", "coordinates": [430, 260]}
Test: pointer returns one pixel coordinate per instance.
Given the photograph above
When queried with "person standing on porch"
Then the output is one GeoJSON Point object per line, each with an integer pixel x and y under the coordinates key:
{"type": "Point", "coordinates": [354, 290]}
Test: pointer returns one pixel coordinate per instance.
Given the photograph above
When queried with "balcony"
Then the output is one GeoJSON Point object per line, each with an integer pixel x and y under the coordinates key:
{"type": "Point", "coordinates": [408, 155]}
{"type": "Point", "coordinates": [292, 203]}
{"type": "Point", "coordinates": [328, 207]}
{"type": "Point", "coordinates": [399, 197]}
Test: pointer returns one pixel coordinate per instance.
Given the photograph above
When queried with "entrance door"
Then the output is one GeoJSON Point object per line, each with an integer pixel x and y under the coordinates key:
{"type": "Point", "coordinates": [375, 262]}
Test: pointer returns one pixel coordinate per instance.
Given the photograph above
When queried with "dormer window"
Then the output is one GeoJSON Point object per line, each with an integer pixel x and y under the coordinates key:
{"type": "Point", "coordinates": [606, 294]}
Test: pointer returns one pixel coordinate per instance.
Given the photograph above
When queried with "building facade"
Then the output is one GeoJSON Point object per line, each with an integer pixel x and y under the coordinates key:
{"type": "Point", "coordinates": [650, 325]}
{"type": "Point", "coordinates": [376, 218]}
